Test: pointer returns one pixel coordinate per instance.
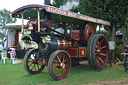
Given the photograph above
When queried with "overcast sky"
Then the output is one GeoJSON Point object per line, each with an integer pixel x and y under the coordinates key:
{"type": "Point", "coordinates": [14, 4]}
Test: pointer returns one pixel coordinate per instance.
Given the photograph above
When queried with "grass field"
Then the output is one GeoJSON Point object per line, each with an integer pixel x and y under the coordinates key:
{"type": "Point", "coordinates": [16, 75]}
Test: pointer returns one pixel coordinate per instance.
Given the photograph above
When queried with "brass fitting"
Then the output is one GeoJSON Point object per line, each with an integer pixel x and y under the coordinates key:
{"type": "Point", "coordinates": [46, 39]}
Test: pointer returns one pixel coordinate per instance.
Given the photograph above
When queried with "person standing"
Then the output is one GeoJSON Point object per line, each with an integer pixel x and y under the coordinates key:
{"type": "Point", "coordinates": [12, 44]}
{"type": "Point", "coordinates": [125, 60]}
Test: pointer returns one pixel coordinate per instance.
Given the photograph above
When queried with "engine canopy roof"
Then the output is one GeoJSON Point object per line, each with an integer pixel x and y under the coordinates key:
{"type": "Point", "coordinates": [30, 12]}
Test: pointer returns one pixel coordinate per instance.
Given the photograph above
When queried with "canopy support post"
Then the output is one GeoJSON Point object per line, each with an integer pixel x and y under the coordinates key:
{"type": "Point", "coordinates": [38, 21]}
{"type": "Point", "coordinates": [22, 22]}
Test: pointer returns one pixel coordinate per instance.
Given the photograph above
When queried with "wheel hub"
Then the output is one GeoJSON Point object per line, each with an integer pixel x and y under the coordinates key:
{"type": "Point", "coordinates": [99, 51]}
{"type": "Point", "coordinates": [62, 65]}
{"type": "Point", "coordinates": [89, 33]}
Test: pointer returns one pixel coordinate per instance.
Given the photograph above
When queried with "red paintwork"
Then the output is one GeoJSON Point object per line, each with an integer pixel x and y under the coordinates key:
{"type": "Point", "coordinates": [89, 31]}
{"type": "Point", "coordinates": [76, 34]}
{"type": "Point", "coordinates": [34, 23]}
{"type": "Point", "coordinates": [73, 52]}
{"type": "Point", "coordinates": [77, 52]}
{"type": "Point", "coordinates": [17, 37]}
{"type": "Point", "coordinates": [82, 52]}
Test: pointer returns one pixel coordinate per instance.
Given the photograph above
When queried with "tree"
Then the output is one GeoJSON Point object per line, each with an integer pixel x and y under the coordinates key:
{"type": "Point", "coordinates": [5, 17]}
{"type": "Point", "coordinates": [114, 11]}
{"type": "Point", "coordinates": [58, 3]}
{"type": "Point", "coordinates": [124, 30]}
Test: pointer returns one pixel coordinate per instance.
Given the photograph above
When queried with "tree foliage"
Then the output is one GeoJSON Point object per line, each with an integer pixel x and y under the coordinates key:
{"type": "Point", "coordinates": [114, 11]}
{"type": "Point", "coordinates": [58, 3]}
{"type": "Point", "coordinates": [5, 18]}
{"type": "Point", "coordinates": [124, 30]}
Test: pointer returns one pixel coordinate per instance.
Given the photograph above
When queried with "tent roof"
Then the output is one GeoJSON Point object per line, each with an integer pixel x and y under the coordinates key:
{"type": "Point", "coordinates": [16, 25]}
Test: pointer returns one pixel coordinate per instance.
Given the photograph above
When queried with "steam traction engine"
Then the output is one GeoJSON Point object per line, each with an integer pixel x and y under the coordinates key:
{"type": "Point", "coordinates": [64, 38]}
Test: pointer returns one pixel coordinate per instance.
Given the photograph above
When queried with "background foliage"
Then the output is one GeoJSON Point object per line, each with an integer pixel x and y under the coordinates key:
{"type": "Point", "coordinates": [119, 49]}
{"type": "Point", "coordinates": [115, 11]}
{"type": "Point", "coordinates": [5, 18]}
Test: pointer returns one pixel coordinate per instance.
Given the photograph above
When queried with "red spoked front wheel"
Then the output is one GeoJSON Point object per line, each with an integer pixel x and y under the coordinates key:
{"type": "Point", "coordinates": [32, 62]}
{"type": "Point", "coordinates": [59, 65]}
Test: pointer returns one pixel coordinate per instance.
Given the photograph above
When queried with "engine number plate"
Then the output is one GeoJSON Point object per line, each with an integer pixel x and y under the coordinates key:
{"type": "Point", "coordinates": [27, 32]}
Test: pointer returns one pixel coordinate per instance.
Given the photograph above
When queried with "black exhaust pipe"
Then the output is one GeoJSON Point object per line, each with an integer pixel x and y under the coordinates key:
{"type": "Point", "coordinates": [47, 2]}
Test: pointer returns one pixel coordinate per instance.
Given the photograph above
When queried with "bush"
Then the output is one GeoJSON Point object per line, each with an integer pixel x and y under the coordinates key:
{"type": "Point", "coordinates": [119, 49]}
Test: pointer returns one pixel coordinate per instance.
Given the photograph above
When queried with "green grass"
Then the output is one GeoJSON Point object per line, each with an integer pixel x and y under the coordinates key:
{"type": "Point", "coordinates": [16, 75]}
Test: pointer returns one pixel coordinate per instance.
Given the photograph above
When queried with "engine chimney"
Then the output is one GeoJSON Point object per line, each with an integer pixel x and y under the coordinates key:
{"type": "Point", "coordinates": [47, 2]}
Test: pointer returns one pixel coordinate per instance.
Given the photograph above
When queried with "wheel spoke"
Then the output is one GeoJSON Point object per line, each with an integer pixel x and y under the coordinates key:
{"type": "Point", "coordinates": [34, 67]}
{"type": "Point", "coordinates": [97, 61]}
{"type": "Point", "coordinates": [38, 66]}
{"type": "Point", "coordinates": [101, 60]}
{"type": "Point", "coordinates": [64, 69]}
{"type": "Point", "coordinates": [59, 59]}
{"type": "Point", "coordinates": [101, 41]}
{"type": "Point", "coordinates": [98, 44]}
{"type": "Point", "coordinates": [64, 60]}
{"type": "Point", "coordinates": [103, 47]}
{"type": "Point", "coordinates": [55, 61]}
{"type": "Point", "coordinates": [54, 68]}
{"type": "Point", "coordinates": [40, 62]}
{"type": "Point", "coordinates": [103, 54]}
{"type": "Point", "coordinates": [60, 56]}
{"type": "Point", "coordinates": [57, 72]}
{"type": "Point", "coordinates": [54, 64]}
{"type": "Point", "coordinates": [30, 65]}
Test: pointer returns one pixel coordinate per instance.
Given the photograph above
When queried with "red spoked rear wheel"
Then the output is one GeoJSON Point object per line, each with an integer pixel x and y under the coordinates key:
{"type": "Point", "coordinates": [98, 51]}
{"type": "Point", "coordinates": [32, 62]}
{"type": "Point", "coordinates": [59, 65]}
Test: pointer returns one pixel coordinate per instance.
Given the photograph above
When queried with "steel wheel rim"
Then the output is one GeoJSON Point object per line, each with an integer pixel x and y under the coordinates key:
{"type": "Point", "coordinates": [33, 63]}
{"type": "Point", "coordinates": [61, 65]}
{"type": "Point", "coordinates": [101, 52]}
